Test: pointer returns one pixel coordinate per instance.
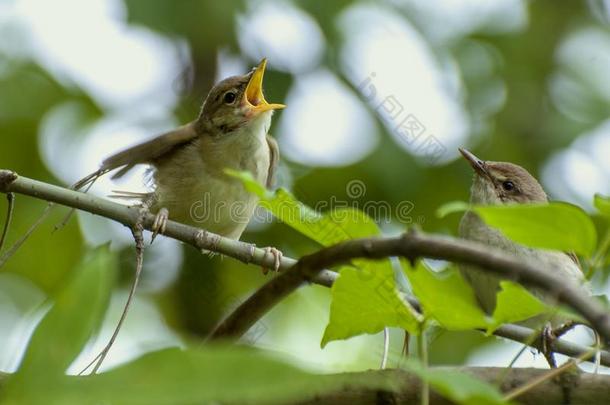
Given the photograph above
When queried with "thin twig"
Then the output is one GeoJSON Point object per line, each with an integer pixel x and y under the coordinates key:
{"type": "Point", "coordinates": [15, 247]}
{"type": "Point", "coordinates": [529, 343]}
{"type": "Point", "coordinates": [10, 197]}
{"type": "Point", "coordinates": [547, 376]}
{"type": "Point", "coordinates": [64, 221]}
{"type": "Point", "coordinates": [139, 239]}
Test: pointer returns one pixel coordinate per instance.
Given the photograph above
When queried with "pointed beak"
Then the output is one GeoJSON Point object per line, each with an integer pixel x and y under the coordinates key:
{"type": "Point", "coordinates": [253, 95]}
{"type": "Point", "coordinates": [477, 164]}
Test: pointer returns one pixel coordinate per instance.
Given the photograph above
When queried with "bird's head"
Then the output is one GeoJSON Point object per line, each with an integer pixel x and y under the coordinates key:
{"type": "Point", "coordinates": [235, 102]}
{"type": "Point", "coordinates": [502, 183]}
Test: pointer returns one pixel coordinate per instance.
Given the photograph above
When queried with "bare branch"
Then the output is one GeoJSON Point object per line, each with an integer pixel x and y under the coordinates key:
{"type": "Point", "coordinates": [414, 245]}
{"type": "Point", "coordinates": [588, 388]}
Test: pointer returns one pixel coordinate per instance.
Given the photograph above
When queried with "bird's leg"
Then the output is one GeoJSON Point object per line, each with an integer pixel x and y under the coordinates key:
{"type": "Point", "coordinates": [277, 259]}
{"type": "Point", "coordinates": [160, 223]}
{"type": "Point", "coordinates": [161, 217]}
{"type": "Point", "coordinates": [549, 335]}
{"type": "Point", "coordinates": [548, 338]}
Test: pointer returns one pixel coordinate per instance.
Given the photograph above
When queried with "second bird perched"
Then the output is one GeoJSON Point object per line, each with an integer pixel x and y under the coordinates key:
{"type": "Point", "coordinates": [498, 183]}
{"type": "Point", "coordinates": [190, 183]}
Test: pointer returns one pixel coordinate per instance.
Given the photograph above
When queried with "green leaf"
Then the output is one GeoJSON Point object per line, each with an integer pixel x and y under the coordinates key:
{"type": "Point", "coordinates": [457, 386]}
{"type": "Point", "coordinates": [451, 207]}
{"type": "Point", "coordinates": [602, 203]}
{"type": "Point", "coordinates": [76, 314]}
{"type": "Point", "coordinates": [365, 298]}
{"type": "Point", "coordinates": [514, 303]}
{"type": "Point", "coordinates": [249, 182]}
{"type": "Point", "coordinates": [556, 225]}
{"type": "Point", "coordinates": [446, 298]}
{"type": "Point", "coordinates": [214, 374]}
{"type": "Point", "coordinates": [327, 229]}
{"type": "Point", "coordinates": [366, 302]}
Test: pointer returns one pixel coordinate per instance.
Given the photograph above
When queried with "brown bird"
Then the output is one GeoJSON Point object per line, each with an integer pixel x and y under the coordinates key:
{"type": "Point", "coordinates": [497, 183]}
{"type": "Point", "coordinates": [190, 184]}
{"type": "Point", "coordinates": [189, 180]}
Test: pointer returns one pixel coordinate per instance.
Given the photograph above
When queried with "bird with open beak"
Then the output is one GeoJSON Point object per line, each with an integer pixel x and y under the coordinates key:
{"type": "Point", "coordinates": [190, 184]}
{"type": "Point", "coordinates": [189, 180]}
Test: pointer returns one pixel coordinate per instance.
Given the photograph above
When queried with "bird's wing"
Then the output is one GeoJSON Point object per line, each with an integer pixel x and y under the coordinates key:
{"type": "Point", "coordinates": [146, 152]}
{"type": "Point", "coordinates": [274, 158]}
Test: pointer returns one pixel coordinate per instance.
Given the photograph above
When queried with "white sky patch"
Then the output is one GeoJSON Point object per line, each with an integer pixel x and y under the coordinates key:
{"type": "Point", "coordinates": [325, 124]}
{"type": "Point", "coordinates": [400, 77]}
{"type": "Point", "coordinates": [449, 20]}
{"type": "Point", "coordinates": [89, 44]}
{"type": "Point", "coordinates": [21, 309]}
{"type": "Point", "coordinates": [230, 64]}
{"type": "Point", "coordinates": [586, 53]}
{"type": "Point", "coordinates": [581, 78]}
{"type": "Point", "coordinates": [74, 147]}
{"type": "Point", "coordinates": [289, 37]}
{"type": "Point", "coordinates": [572, 175]}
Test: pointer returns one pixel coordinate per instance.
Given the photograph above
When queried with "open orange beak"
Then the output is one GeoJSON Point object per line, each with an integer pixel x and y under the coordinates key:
{"type": "Point", "coordinates": [254, 91]}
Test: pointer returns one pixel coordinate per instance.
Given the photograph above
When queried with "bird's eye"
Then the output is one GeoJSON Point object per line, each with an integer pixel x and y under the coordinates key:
{"type": "Point", "coordinates": [229, 97]}
{"type": "Point", "coordinates": [508, 185]}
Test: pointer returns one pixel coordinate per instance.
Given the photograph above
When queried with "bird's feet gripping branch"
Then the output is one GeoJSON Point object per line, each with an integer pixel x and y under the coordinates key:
{"type": "Point", "coordinates": [277, 259]}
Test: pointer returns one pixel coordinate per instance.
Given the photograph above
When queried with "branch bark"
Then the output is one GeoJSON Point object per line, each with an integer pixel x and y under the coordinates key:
{"type": "Point", "coordinates": [421, 245]}
{"type": "Point", "coordinates": [413, 245]}
{"type": "Point", "coordinates": [587, 388]}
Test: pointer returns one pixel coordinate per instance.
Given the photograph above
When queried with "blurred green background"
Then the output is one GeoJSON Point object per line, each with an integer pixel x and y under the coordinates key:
{"type": "Point", "coordinates": [512, 80]}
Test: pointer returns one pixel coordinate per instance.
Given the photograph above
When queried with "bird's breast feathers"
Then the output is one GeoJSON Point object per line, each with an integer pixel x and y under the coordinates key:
{"type": "Point", "coordinates": [195, 189]}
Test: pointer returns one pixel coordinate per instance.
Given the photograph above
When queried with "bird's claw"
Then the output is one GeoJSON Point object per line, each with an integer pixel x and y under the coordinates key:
{"type": "Point", "coordinates": [277, 259]}
{"type": "Point", "coordinates": [160, 223]}
{"type": "Point", "coordinates": [549, 336]}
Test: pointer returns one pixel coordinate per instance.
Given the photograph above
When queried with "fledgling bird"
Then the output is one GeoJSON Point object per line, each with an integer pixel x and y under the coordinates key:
{"type": "Point", "coordinates": [189, 179]}
{"type": "Point", "coordinates": [190, 184]}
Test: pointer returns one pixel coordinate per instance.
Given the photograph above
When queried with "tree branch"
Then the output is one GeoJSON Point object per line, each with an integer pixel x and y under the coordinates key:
{"type": "Point", "coordinates": [413, 245]}
{"type": "Point", "coordinates": [129, 215]}
{"type": "Point", "coordinates": [443, 248]}
{"type": "Point", "coordinates": [588, 388]}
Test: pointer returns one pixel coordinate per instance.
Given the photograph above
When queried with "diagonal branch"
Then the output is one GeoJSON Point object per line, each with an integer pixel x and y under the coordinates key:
{"type": "Point", "coordinates": [414, 246]}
